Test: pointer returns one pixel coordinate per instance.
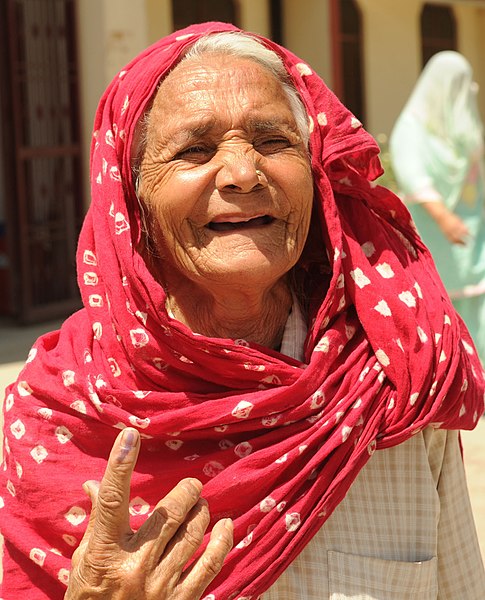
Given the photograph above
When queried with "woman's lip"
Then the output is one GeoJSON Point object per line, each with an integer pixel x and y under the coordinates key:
{"type": "Point", "coordinates": [238, 223]}
{"type": "Point", "coordinates": [235, 218]}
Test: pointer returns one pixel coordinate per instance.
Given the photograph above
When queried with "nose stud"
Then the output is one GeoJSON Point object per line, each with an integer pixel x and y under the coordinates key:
{"type": "Point", "coordinates": [259, 173]}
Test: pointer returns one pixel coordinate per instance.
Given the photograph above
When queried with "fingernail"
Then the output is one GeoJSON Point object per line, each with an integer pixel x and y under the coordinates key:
{"type": "Point", "coordinates": [190, 483]}
{"type": "Point", "coordinates": [228, 524]}
{"type": "Point", "coordinates": [128, 442]}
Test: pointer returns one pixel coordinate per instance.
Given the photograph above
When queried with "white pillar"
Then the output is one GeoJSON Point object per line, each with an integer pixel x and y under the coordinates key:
{"type": "Point", "coordinates": [110, 34]}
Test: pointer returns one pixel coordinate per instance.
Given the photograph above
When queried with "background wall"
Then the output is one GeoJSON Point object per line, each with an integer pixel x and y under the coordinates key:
{"type": "Point", "coordinates": [111, 32]}
{"type": "Point", "coordinates": [307, 33]}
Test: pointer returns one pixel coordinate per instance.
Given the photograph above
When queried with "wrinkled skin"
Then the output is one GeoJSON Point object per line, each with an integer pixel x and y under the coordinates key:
{"type": "Point", "coordinates": [228, 190]}
{"type": "Point", "coordinates": [113, 562]}
{"type": "Point", "coordinates": [216, 122]}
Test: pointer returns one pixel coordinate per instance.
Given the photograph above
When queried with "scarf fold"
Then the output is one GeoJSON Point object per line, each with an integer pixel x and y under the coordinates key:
{"type": "Point", "coordinates": [276, 442]}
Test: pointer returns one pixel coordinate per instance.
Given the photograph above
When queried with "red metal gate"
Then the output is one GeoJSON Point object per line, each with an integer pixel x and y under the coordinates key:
{"type": "Point", "coordinates": [41, 155]}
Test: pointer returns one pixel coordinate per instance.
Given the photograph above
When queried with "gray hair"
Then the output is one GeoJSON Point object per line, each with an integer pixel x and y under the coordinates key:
{"type": "Point", "coordinates": [241, 45]}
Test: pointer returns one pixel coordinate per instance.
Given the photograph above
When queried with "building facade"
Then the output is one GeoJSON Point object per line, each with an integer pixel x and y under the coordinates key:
{"type": "Point", "coordinates": [57, 57]}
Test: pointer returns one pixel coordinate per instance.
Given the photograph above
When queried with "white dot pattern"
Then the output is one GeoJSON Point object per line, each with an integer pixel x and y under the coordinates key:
{"type": "Point", "coordinates": [383, 351]}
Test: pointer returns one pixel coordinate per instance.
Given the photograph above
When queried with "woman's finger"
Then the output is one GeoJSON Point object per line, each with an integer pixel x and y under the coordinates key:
{"type": "Point", "coordinates": [196, 579]}
{"type": "Point", "coordinates": [187, 540]}
{"type": "Point", "coordinates": [112, 515]}
{"type": "Point", "coordinates": [92, 489]}
{"type": "Point", "coordinates": [168, 516]}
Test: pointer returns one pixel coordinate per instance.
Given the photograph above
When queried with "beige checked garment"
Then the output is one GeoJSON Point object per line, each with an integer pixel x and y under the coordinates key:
{"type": "Point", "coordinates": [404, 531]}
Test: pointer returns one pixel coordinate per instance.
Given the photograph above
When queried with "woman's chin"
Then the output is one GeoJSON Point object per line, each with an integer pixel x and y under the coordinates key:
{"type": "Point", "coordinates": [248, 269]}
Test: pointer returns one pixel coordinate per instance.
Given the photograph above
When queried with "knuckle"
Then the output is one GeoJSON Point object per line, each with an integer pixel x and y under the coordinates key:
{"type": "Point", "coordinates": [77, 556]}
{"type": "Point", "coordinates": [189, 489]}
{"type": "Point", "coordinates": [174, 508]}
{"type": "Point", "coordinates": [194, 535]}
{"type": "Point", "coordinates": [172, 511]}
{"type": "Point", "coordinates": [154, 527]}
{"type": "Point", "coordinates": [110, 499]}
{"type": "Point", "coordinates": [212, 563]}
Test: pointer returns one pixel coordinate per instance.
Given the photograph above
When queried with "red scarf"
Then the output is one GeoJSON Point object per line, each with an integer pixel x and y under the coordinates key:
{"type": "Point", "coordinates": [277, 443]}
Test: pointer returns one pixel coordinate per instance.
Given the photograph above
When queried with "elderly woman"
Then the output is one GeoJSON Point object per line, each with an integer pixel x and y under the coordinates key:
{"type": "Point", "coordinates": [258, 320]}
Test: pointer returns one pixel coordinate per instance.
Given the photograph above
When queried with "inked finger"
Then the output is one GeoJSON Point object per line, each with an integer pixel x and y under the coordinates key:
{"type": "Point", "coordinates": [196, 579]}
{"type": "Point", "coordinates": [112, 515]}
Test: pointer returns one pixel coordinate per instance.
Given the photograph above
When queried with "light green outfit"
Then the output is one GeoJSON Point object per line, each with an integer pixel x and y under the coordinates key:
{"type": "Point", "coordinates": [437, 155]}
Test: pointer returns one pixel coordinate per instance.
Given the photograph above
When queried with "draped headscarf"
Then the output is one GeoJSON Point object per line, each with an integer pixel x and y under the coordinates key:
{"type": "Point", "coordinates": [442, 119]}
{"type": "Point", "coordinates": [276, 442]}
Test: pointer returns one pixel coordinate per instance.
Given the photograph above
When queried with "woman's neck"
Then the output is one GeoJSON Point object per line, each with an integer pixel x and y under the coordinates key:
{"type": "Point", "coordinates": [257, 317]}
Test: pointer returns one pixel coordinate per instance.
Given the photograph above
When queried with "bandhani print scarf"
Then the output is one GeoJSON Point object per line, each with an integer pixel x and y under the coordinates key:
{"type": "Point", "coordinates": [277, 443]}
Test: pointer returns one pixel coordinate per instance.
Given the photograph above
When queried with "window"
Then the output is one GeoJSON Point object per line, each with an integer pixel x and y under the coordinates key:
{"type": "Point", "coordinates": [347, 50]}
{"type": "Point", "coordinates": [41, 154]}
{"type": "Point", "coordinates": [188, 12]}
{"type": "Point", "coordinates": [438, 30]}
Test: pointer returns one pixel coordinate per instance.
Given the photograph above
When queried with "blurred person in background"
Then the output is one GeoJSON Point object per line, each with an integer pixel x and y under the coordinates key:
{"type": "Point", "coordinates": [437, 157]}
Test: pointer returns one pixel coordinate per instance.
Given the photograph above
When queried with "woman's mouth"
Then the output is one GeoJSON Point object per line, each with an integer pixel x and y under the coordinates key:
{"type": "Point", "coordinates": [233, 223]}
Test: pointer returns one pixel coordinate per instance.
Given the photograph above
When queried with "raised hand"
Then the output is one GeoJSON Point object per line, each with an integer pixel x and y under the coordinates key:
{"type": "Point", "coordinates": [453, 228]}
{"type": "Point", "coordinates": [115, 562]}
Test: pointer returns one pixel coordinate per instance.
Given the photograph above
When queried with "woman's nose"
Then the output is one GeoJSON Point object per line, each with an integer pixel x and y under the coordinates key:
{"type": "Point", "coordinates": [240, 174]}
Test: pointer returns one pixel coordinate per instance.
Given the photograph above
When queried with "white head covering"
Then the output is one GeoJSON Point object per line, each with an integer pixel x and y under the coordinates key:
{"type": "Point", "coordinates": [445, 100]}
{"type": "Point", "coordinates": [439, 133]}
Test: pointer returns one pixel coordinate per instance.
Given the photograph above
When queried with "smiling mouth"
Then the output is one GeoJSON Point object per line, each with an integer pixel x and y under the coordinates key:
{"type": "Point", "coordinates": [239, 225]}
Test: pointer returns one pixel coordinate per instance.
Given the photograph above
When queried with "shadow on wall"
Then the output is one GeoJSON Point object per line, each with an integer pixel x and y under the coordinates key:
{"type": "Point", "coordinates": [16, 340]}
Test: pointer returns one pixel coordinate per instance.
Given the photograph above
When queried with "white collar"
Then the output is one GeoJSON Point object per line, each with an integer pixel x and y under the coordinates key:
{"type": "Point", "coordinates": [295, 333]}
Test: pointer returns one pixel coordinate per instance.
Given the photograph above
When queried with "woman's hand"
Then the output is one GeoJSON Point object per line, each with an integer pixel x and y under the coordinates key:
{"type": "Point", "coordinates": [114, 562]}
{"type": "Point", "coordinates": [453, 228]}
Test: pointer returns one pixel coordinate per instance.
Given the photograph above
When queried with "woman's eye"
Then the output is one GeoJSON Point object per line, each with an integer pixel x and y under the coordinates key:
{"type": "Point", "coordinates": [272, 145]}
{"type": "Point", "coordinates": [194, 153]}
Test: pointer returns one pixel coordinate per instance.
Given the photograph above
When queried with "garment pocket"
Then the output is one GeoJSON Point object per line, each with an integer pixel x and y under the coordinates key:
{"type": "Point", "coordinates": [352, 577]}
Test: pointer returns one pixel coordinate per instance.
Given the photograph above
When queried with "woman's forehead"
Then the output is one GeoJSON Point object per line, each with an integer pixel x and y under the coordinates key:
{"type": "Point", "coordinates": [210, 71]}
{"type": "Point", "coordinates": [199, 88]}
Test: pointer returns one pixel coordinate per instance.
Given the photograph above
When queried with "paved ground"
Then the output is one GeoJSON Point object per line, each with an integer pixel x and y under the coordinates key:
{"type": "Point", "coordinates": [474, 449]}
{"type": "Point", "coordinates": [16, 341]}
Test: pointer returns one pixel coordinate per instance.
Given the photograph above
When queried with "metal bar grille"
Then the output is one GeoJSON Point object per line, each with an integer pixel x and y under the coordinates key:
{"type": "Point", "coordinates": [48, 204]}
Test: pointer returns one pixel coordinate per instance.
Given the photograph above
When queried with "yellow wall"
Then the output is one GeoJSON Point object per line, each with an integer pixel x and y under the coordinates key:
{"type": "Point", "coordinates": [391, 58]}
{"type": "Point", "coordinates": [392, 53]}
{"type": "Point", "coordinates": [255, 16]}
{"type": "Point", "coordinates": [159, 19]}
{"type": "Point", "coordinates": [471, 42]}
{"type": "Point", "coordinates": [111, 32]}
{"type": "Point", "coordinates": [306, 32]}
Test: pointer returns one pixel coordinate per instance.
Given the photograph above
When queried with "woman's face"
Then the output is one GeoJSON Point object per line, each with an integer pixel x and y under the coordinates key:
{"type": "Point", "coordinates": [225, 176]}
